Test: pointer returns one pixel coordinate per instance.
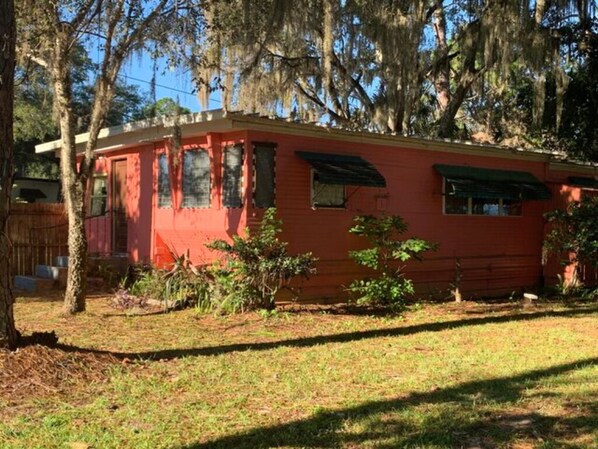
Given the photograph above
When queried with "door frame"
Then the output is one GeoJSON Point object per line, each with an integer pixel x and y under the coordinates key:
{"type": "Point", "coordinates": [113, 203]}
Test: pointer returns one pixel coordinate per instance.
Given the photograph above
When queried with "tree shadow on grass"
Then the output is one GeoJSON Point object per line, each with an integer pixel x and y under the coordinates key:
{"type": "Point", "coordinates": [478, 414]}
{"type": "Point", "coordinates": [346, 337]}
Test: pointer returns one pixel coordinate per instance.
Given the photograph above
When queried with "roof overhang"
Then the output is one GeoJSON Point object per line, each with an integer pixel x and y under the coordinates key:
{"type": "Point", "coordinates": [160, 128]}
{"type": "Point", "coordinates": [581, 168]}
{"type": "Point", "coordinates": [147, 131]}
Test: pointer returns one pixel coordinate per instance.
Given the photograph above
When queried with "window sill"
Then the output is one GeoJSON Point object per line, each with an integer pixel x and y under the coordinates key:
{"type": "Point", "coordinates": [328, 207]}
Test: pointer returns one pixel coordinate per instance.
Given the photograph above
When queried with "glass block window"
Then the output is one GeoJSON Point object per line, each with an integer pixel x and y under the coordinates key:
{"type": "Point", "coordinates": [164, 194]}
{"type": "Point", "coordinates": [232, 176]}
{"type": "Point", "coordinates": [196, 178]}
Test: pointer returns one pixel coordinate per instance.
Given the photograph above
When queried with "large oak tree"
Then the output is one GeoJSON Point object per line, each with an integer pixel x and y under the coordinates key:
{"type": "Point", "coordinates": [426, 67]}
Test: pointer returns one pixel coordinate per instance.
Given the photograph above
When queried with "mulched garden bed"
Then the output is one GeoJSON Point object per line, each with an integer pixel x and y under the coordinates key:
{"type": "Point", "coordinates": [39, 369]}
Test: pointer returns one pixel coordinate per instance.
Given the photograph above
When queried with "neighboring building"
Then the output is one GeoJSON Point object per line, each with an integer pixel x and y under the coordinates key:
{"type": "Point", "coordinates": [482, 204]}
{"type": "Point", "coordinates": [35, 190]}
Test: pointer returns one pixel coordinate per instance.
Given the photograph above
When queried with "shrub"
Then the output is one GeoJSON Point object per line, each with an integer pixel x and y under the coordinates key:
{"type": "Point", "coordinates": [389, 286]}
{"type": "Point", "coordinates": [182, 284]}
{"type": "Point", "coordinates": [256, 267]}
{"type": "Point", "coordinates": [574, 235]}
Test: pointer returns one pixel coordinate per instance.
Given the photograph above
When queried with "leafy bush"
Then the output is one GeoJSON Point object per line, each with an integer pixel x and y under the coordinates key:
{"type": "Point", "coordinates": [389, 286]}
{"type": "Point", "coordinates": [256, 267]}
{"type": "Point", "coordinates": [182, 284]}
{"type": "Point", "coordinates": [574, 235]}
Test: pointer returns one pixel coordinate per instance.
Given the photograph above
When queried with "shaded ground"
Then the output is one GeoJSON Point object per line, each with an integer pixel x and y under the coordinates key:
{"type": "Point", "coordinates": [442, 376]}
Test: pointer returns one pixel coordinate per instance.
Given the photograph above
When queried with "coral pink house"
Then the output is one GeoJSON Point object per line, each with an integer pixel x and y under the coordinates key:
{"type": "Point", "coordinates": [482, 204]}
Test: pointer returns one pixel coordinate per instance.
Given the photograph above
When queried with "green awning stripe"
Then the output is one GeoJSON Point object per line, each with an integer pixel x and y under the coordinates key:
{"type": "Point", "coordinates": [578, 181]}
{"type": "Point", "coordinates": [474, 182]}
{"type": "Point", "coordinates": [339, 169]}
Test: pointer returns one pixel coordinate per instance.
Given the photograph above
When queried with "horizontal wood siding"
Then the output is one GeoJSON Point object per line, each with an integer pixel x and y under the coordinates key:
{"type": "Point", "coordinates": [497, 255]}
{"type": "Point", "coordinates": [181, 230]}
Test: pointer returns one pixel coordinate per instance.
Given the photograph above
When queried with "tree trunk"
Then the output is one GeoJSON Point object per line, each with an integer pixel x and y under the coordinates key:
{"type": "Point", "coordinates": [76, 285]}
{"type": "Point", "coordinates": [468, 75]}
{"type": "Point", "coordinates": [60, 29]}
{"type": "Point", "coordinates": [8, 333]}
{"type": "Point", "coordinates": [73, 186]}
{"type": "Point", "coordinates": [442, 64]}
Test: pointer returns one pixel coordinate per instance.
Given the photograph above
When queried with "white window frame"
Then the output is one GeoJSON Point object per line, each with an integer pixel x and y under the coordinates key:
{"type": "Point", "coordinates": [93, 197]}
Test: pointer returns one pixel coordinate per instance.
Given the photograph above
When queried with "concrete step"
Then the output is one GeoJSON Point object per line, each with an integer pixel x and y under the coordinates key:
{"type": "Point", "coordinates": [33, 283]}
{"type": "Point", "coordinates": [62, 261]}
{"type": "Point", "coordinates": [50, 272]}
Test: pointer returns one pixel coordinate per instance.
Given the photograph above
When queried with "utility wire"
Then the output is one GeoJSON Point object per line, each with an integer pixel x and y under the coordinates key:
{"type": "Point", "coordinates": [166, 87]}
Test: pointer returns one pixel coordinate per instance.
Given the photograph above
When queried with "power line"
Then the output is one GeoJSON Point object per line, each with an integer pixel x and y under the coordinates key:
{"type": "Point", "coordinates": [166, 87]}
{"type": "Point", "coordinates": [159, 85]}
{"type": "Point", "coordinates": [215, 100]}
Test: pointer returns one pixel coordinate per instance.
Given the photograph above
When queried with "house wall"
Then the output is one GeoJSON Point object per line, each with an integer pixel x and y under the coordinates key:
{"type": "Point", "coordinates": [139, 194]}
{"type": "Point", "coordinates": [497, 254]}
{"type": "Point", "coordinates": [179, 230]}
{"type": "Point", "coordinates": [492, 255]}
{"type": "Point", "coordinates": [563, 193]}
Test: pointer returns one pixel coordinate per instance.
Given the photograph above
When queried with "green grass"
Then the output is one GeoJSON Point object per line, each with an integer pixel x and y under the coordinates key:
{"type": "Point", "coordinates": [441, 376]}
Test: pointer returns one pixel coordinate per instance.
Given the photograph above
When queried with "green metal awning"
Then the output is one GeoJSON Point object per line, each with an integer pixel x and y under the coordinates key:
{"type": "Point", "coordinates": [464, 182]}
{"type": "Point", "coordinates": [343, 170]}
{"type": "Point", "coordinates": [589, 183]}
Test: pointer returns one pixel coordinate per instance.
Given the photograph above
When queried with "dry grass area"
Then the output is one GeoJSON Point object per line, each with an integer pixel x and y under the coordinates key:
{"type": "Point", "coordinates": [440, 376]}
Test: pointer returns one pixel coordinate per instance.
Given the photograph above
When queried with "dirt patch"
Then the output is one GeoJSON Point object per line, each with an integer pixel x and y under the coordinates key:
{"type": "Point", "coordinates": [39, 370]}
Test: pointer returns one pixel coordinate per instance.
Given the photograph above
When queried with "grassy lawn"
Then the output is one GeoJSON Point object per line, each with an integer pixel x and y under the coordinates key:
{"type": "Point", "coordinates": [440, 376]}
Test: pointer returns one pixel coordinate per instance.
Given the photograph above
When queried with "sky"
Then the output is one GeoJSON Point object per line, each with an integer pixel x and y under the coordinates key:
{"type": "Point", "coordinates": [169, 83]}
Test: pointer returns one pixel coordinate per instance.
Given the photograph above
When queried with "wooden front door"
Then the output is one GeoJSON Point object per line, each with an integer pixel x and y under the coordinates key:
{"type": "Point", "coordinates": [119, 206]}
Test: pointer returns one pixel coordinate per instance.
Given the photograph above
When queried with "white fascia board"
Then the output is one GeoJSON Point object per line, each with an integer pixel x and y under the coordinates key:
{"type": "Point", "coordinates": [407, 142]}
{"type": "Point", "coordinates": [583, 168]}
{"type": "Point", "coordinates": [149, 130]}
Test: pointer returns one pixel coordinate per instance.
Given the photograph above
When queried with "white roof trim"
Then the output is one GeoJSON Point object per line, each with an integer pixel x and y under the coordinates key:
{"type": "Point", "coordinates": [144, 128]}
{"type": "Point", "coordinates": [218, 120]}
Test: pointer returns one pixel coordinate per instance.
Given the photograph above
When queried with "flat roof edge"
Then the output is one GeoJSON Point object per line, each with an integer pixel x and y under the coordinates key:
{"type": "Point", "coordinates": [241, 121]}
{"type": "Point", "coordinates": [138, 126]}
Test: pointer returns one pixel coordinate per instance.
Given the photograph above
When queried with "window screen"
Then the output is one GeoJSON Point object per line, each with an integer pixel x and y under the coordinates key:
{"type": "Point", "coordinates": [264, 175]}
{"type": "Point", "coordinates": [196, 178]}
{"type": "Point", "coordinates": [326, 195]}
{"type": "Point", "coordinates": [164, 196]}
{"type": "Point", "coordinates": [232, 176]}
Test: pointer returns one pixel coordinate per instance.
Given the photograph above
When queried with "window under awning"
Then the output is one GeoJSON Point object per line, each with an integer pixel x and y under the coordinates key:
{"type": "Point", "coordinates": [579, 181]}
{"type": "Point", "coordinates": [465, 182]}
{"type": "Point", "coordinates": [343, 170]}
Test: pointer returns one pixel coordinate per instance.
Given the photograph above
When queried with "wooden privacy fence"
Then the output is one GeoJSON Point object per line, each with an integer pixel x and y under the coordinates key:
{"type": "Point", "coordinates": [38, 233]}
